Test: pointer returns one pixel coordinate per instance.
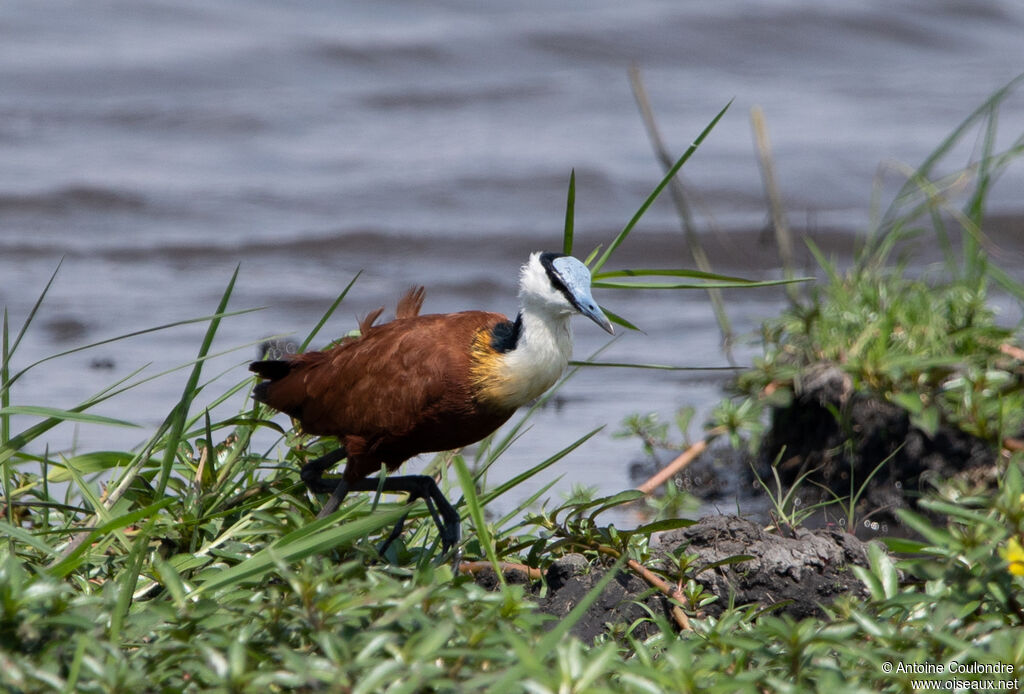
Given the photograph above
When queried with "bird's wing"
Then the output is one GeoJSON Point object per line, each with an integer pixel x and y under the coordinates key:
{"type": "Point", "coordinates": [393, 377]}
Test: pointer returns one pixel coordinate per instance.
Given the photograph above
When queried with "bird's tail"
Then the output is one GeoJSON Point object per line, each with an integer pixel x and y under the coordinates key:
{"type": "Point", "coordinates": [285, 386]}
{"type": "Point", "coordinates": [272, 370]}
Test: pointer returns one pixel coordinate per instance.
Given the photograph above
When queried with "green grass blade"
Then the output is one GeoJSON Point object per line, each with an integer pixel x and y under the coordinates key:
{"type": "Point", "coordinates": [8, 353]}
{"type": "Point", "coordinates": [74, 559]}
{"type": "Point", "coordinates": [65, 415]}
{"type": "Point", "coordinates": [953, 138]}
{"type": "Point", "coordinates": [938, 537]}
{"type": "Point", "coordinates": [81, 643]}
{"type": "Point", "coordinates": [570, 213]}
{"type": "Point", "coordinates": [1008, 283]}
{"type": "Point", "coordinates": [20, 440]}
{"type": "Point", "coordinates": [25, 537]}
{"type": "Point", "coordinates": [657, 367]}
{"type": "Point", "coordinates": [129, 579]}
{"type": "Point", "coordinates": [205, 477]}
{"type": "Point", "coordinates": [974, 258]}
{"type": "Point", "coordinates": [746, 284]}
{"type": "Point", "coordinates": [327, 314]}
{"type": "Point", "coordinates": [17, 442]}
{"type": "Point", "coordinates": [5, 420]}
{"type": "Point", "coordinates": [824, 263]}
{"type": "Point", "coordinates": [476, 513]}
{"type": "Point", "coordinates": [101, 510]}
{"type": "Point", "coordinates": [895, 215]}
{"type": "Point", "coordinates": [619, 320]}
{"type": "Point", "coordinates": [179, 415]}
{"type": "Point", "coordinates": [89, 463]}
{"type": "Point", "coordinates": [670, 272]}
{"type": "Point", "coordinates": [657, 190]}
{"type": "Point", "coordinates": [314, 539]}
{"type": "Point", "coordinates": [525, 504]}
{"type": "Point", "coordinates": [5, 394]}
{"type": "Point", "coordinates": [899, 545]}
{"type": "Point", "coordinates": [493, 494]}
{"type": "Point", "coordinates": [626, 497]}
{"type": "Point", "coordinates": [166, 326]}
{"type": "Point", "coordinates": [171, 580]}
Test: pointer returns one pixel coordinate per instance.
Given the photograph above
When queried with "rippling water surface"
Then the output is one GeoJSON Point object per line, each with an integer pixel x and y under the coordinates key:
{"type": "Point", "coordinates": [154, 146]}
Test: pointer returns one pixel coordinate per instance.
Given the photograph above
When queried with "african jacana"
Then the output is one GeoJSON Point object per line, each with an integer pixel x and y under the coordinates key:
{"type": "Point", "coordinates": [421, 384]}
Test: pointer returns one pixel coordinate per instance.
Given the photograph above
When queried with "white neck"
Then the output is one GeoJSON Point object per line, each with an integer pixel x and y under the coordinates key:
{"type": "Point", "coordinates": [511, 379]}
{"type": "Point", "coordinates": [539, 358]}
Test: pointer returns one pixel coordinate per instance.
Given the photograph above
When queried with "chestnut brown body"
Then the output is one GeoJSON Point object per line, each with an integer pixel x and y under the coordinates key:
{"type": "Point", "coordinates": [399, 389]}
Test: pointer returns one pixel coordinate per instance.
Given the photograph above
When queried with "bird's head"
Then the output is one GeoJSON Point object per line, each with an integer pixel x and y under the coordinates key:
{"type": "Point", "coordinates": [559, 285]}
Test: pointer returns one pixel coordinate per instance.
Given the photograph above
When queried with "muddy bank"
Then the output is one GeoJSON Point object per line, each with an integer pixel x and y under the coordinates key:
{"type": "Point", "coordinates": [736, 560]}
{"type": "Point", "coordinates": [849, 444]}
{"type": "Point", "coordinates": [830, 445]}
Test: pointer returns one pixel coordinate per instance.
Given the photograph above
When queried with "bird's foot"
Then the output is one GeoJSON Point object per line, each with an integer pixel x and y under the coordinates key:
{"type": "Point", "coordinates": [450, 531]}
{"type": "Point", "coordinates": [395, 532]}
{"type": "Point", "coordinates": [312, 473]}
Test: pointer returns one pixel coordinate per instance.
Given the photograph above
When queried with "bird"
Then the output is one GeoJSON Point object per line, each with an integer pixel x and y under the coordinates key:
{"type": "Point", "coordinates": [428, 383]}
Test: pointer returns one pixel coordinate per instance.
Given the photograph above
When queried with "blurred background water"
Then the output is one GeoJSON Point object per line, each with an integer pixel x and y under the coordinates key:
{"type": "Point", "coordinates": [154, 146]}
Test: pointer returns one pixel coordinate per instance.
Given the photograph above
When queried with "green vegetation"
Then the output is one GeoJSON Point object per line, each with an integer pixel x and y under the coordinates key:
{"type": "Point", "coordinates": [194, 562]}
{"type": "Point", "coordinates": [929, 343]}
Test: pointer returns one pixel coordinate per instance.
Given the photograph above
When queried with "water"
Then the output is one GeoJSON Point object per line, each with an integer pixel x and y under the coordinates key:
{"type": "Point", "coordinates": [155, 146]}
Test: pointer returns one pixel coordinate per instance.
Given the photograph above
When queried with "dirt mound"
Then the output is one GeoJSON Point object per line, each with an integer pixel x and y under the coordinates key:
{"type": "Point", "coordinates": [795, 575]}
{"type": "Point", "coordinates": [839, 437]}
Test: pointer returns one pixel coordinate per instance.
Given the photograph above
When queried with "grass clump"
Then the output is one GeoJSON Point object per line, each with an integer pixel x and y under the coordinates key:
{"type": "Point", "coordinates": [929, 343]}
{"type": "Point", "coordinates": [933, 348]}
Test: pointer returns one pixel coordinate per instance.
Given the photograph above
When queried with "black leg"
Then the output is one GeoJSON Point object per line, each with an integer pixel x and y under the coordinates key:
{"type": "Point", "coordinates": [420, 487]}
{"type": "Point", "coordinates": [341, 488]}
{"type": "Point", "coordinates": [445, 517]}
{"type": "Point", "coordinates": [312, 473]}
{"type": "Point", "coordinates": [395, 532]}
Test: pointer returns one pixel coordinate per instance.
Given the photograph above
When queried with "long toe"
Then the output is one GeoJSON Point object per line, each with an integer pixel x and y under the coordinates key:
{"type": "Point", "coordinates": [456, 560]}
{"type": "Point", "coordinates": [395, 532]}
{"type": "Point", "coordinates": [451, 534]}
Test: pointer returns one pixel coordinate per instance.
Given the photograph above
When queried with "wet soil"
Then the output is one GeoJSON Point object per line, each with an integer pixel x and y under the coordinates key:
{"type": "Point", "coordinates": [736, 560]}
{"type": "Point", "coordinates": [851, 444]}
